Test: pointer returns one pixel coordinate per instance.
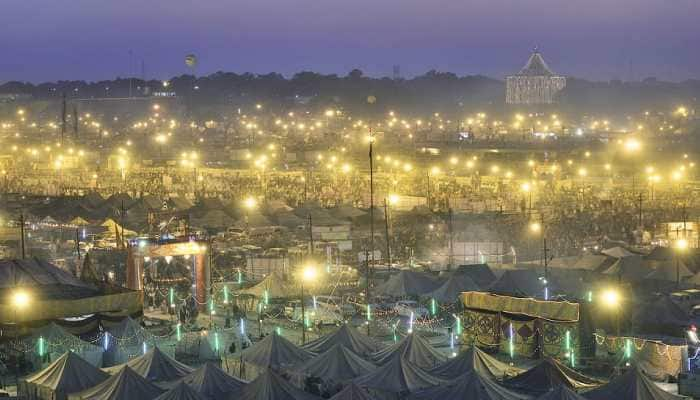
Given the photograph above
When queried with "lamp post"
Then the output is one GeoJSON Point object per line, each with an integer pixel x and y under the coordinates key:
{"type": "Point", "coordinates": [539, 228]}
{"type": "Point", "coordinates": [680, 246]}
{"type": "Point", "coordinates": [611, 299]}
{"type": "Point", "coordinates": [20, 301]}
{"type": "Point", "coordinates": [308, 274]}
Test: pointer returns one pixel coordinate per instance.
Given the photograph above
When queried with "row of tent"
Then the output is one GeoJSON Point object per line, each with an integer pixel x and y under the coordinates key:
{"type": "Point", "coordinates": [353, 365]}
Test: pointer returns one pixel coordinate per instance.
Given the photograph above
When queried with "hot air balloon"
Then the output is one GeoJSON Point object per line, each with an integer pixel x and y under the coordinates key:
{"type": "Point", "coordinates": [191, 60]}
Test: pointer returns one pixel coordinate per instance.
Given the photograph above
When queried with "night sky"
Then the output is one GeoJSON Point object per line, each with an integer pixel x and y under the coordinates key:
{"type": "Point", "coordinates": [44, 40]}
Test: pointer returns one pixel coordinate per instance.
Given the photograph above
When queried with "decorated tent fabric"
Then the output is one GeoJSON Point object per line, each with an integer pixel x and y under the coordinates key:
{"type": "Point", "coordinates": [408, 283]}
{"type": "Point", "coordinates": [212, 382]}
{"type": "Point", "coordinates": [561, 392]}
{"type": "Point", "coordinates": [275, 285]}
{"type": "Point", "coordinates": [155, 366]}
{"type": "Point", "coordinates": [68, 374]}
{"type": "Point", "coordinates": [481, 274]}
{"type": "Point", "coordinates": [552, 310]}
{"type": "Point", "coordinates": [414, 349]}
{"type": "Point", "coordinates": [180, 392]}
{"type": "Point", "coordinates": [632, 385]}
{"type": "Point", "coordinates": [450, 291]}
{"type": "Point", "coordinates": [348, 337]}
{"type": "Point", "coordinates": [468, 386]}
{"type": "Point", "coordinates": [475, 359]}
{"type": "Point", "coordinates": [338, 364]}
{"type": "Point", "coordinates": [352, 392]}
{"type": "Point", "coordinates": [275, 352]}
{"type": "Point", "coordinates": [270, 386]}
{"type": "Point", "coordinates": [547, 375]}
{"type": "Point", "coordinates": [398, 375]}
{"type": "Point", "coordinates": [57, 341]}
{"type": "Point", "coordinates": [125, 385]}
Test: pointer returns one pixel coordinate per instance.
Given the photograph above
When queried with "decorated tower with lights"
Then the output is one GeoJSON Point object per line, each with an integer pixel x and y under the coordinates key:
{"type": "Point", "coordinates": [534, 84]}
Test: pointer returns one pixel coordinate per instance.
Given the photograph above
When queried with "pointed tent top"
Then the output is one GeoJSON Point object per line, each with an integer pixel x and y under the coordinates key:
{"type": "Point", "coordinates": [536, 66]}
{"type": "Point", "coordinates": [469, 386]}
{"type": "Point", "coordinates": [398, 376]}
{"type": "Point", "coordinates": [561, 392]}
{"type": "Point", "coordinates": [126, 384]}
{"type": "Point", "coordinates": [632, 385]}
{"type": "Point", "coordinates": [414, 349]}
{"type": "Point", "coordinates": [181, 392]}
{"type": "Point", "coordinates": [547, 375]}
{"type": "Point", "coordinates": [450, 291]}
{"type": "Point", "coordinates": [338, 364]}
{"type": "Point", "coordinates": [270, 386]}
{"type": "Point", "coordinates": [352, 392]}
{"type": "Point", "coordinates": [477, 360]}
{"type": "Point", "coordinates": [155, 366]}
{"type": "Point", "coordinates": [275, 352]}
{"type": "Point", "coordinates": [348, 337]}
{"type": "Point", "coordinates": [68, 374]}
{"type": "Point", "coordinates": [212, 382]}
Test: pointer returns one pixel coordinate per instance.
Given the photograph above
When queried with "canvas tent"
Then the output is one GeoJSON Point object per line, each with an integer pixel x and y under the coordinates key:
{"type": "Point", "coordinates": [275, 285]}
{"type": "Point", "coordinates": [561, 392]}
{"type": "Point", "coordinates": [352, 392]}
{"type": "Point", "coordinates": [547, 375]}
{"type": "Point", "coordinates": [414, 349]}
{"type": "Point", "coordinates": [57, 341]}
{"type": "Point", "coordinates": [617, 252]}
{"type": "Point", "coordinates": [212, 382]}
{"type": "Point", "coordinates": [521, 283]}
{"type": "Point", "coordinates": [398, 376]}
{"type": "Point", "coordinates": [629, 269]}
{"type": "Point", "coordinates": [660, 315]}
{"type": "Point", "coordinates": [477, 360]}
{"type": "Point", "coordinates": [125, 340]}
{"type": "Point", "coordinates": [408, 283]}
{"type": "Point", "coordinates": [337, 365]}
{"type": "Point", "coordinates": [453, 287]}
{"type": "Point", "coordinates": [632, 385]}
{"type": "Point", "coordinates": [270, 386]}
{"type": "Point", "coordinates": [68, 374]}
{"type": "Point", "coordinates": [180, 392]}
{"type": "Point", "coordinates": [155, 366]}
{"type": "Point", "coordinates": [481, 274]}
{"type": "Point", "coordinates": [468, 386]}
{"type": "Point", "coordinates": [275, 352]}
{"type": "Point", "coordinates": [125, 385]}
{"type": "Point", "coordinates": [348, 337]}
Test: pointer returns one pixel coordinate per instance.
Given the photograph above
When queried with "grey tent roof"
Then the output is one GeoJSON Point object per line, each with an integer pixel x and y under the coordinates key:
{"type": "Point", "coordinates": [481, 274]}
{"type": "Point", "coordinates": [414, 349]}
{"type": "Point", "coordinates": [408, 283]}
{"type": "Point", "coordinates": [276, 286]}
{"type": "Point", "coordinates": [68, 374]}
{"type": "Point", "coordinates": [212, 382]}
{"type": "Point", "coordinates": [468, 386]}
{"type": "Point", "coordinates": [54, 333]}
{"type": "Point", "coordinates": [253, 219]}
{"type": "Point", "coordinates": [352, 392]}
{"type": "Point", "coordinates": [661, 311]}
{"type": "Point", "coordinates": [536, 66]}
{"type": "Point", "coordinates": [450, 291]}
{"type": "Point", "coordinates": [547, 375]}
{"type": "Point", "coordinates": [348, 337]}
{"type": "Point", "coordinates": [338, 364]}
{"type": "Point", "coordinates": [520, 282]}
{"type": "Point", "coordinates": [561, 392]}
{"type": "Point", "coordinates": [155, 366]}
{"type": "Point", "coordinates": [270, 386]}
{"type": "Point", "coordinates": [128, 328]}
{"type": "Point", "coordinates": [632, 385]}
{"type": "Point", "coordinates": [45, 280]}
{"type": "Point", "coordinates": [398, 376]}
{"type": "Point", "coordinates": [125, 385]}
{"type": "Point", "coordinates": [275, 352]}
{"type": "Point", "coordinates": [632, 268]}
{"type": "Point", "coordinates": [668, 270]}
{"type": "Point", "coordinates": [617, 252]}
{"type": "Point", "coordinates": [477, 360]}
{"type": "Point", "coordinates": [181, 391]}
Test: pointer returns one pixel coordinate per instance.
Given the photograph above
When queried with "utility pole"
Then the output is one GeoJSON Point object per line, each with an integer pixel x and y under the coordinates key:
{"type": "Point", "coordinates": [77, 241]}
{"type": "Point", "coordinates": [640, 209]}
{"type": "Point", "coordinates": [386, 229]}
{"type": "Point", "coordinates": [311, 236]}
{"type": "Point", "coordinates": [75, 122]}
{"type": "Point", "coordinates": [63, 115]}
{"type": "Point", "coordinates": [371, 221]}
{"type": "Point", "coordinates": [21, 230]}
{"type": "Point", "coordinates": [450, 226]}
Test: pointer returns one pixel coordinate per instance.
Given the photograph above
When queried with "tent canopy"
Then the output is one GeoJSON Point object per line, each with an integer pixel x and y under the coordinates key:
{"type": "Point", "coordinates": [352, 392]}
{"type": "Point", "coordinates": [632, 385]}
{"type": "Point", "coordinates": [270, 386]}
{"type": "Point", "coordinates": [661, 311]}
{"type": "Point", "coordinates": [547, 375]}
{"type": "Point", "coordinates": [338, 364]}
{"type": "Point", "coordinates": [155, 366]}
{"type": "Point", "coordinates": [477, 360]}
{"type": "Point", "coordinates": [481, 274]}
{"type": "Point", "coordinates": [348, 337]}
{"type": "Point", "coordinates": [68, 374]}
{"type": "Point", "coordinates": [450, 291]}
{"type": "Point", "coordinates": [468, 386]}
{"type": "Point", "coordinates": [617, 252]}
{"type": "Point", "coordinates": [181, 392]}
{"type": "Point", "coordinates": [212, 382]}
{"type": "Point", "coordinates": [561, 392]}
{"type": "Point", "coordinates": [125, 385]}
{"type": "Point", "coordinates": [275, 285]}
{"type": "Point", "coordinates": [275, 352]}
{"type": "Point", "coordinates": [398, 375]}
{"type": "Point", "coordinates": [408, 283]}
{"type": "Point", "coordinates": [414, 349]}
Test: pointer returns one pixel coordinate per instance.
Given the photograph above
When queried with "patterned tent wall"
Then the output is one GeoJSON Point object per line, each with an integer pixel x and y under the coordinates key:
{"type": "Point", "coordinates": [658, 360]}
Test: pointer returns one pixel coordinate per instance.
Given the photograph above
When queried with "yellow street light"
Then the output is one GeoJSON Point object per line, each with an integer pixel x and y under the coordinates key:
{"type": "Point", "coordinates": [309, 273]}
{"type": "Point", "coordinates": [525, 187]}
{"type": "Point", "coordinates": [611, 298]}
{"type": "Point", "coordinates": [536, 227]}
{"type": "Point", "coordinates": [250, 202]}
{"type": "Point", "coordinates": [681, 245]}
{"type": "Point", "coordinates": [393, 199]}
{"type": "Point", "coordinates": [20, 299]}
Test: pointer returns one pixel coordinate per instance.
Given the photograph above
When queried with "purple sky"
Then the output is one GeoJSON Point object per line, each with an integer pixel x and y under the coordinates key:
{"type": "Point", "coordinates": [598, 39]}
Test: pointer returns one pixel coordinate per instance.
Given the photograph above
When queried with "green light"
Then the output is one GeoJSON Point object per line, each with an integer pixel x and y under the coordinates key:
{"type": "Point", "coordinates": [278, 330]}
{"type": "Point", "coordinates": [568, 341]}
{"type": "Point", "coordinates": [511, 343]}
{"type": "Point", "coordinates": [459, 325]}
{"type": "Point", "coordinates": [216, 341]}
{"type": "Point", "coordinates": [628, 348]}
{"type": "Point", "coordinates": [369, 312]}
{"type": "Point", "coordinates": [240, 277]}
{"type": "Point", "coordinates": [212, 311]}
{"type": "Point", "coordinates": [433, 306]}
{"type": "Point", "coordinates": [172, 297]}
{"type": "Point", "coordinates": [266, 297]}
{"type": "Point", "coordinates": [41, 346]}
{"type": "Point", "coordinates": [573, 359]}
{"type": "Point", "coordinates": [590, 296]}
{"type": "Point", "coordinates": [178, 331]}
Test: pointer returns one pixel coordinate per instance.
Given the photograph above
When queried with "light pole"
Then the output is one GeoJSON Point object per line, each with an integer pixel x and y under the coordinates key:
{"type": "Point", "coordinates": [20, 301]}
{"type": "Point", "coordinates": [308, 274]}
{"type": "Point", "coordinates": [539, 228]}
{"type": "Point", "coordinates": [680, 246]}
{"type": "Point", "coordinates": [611, 299]}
